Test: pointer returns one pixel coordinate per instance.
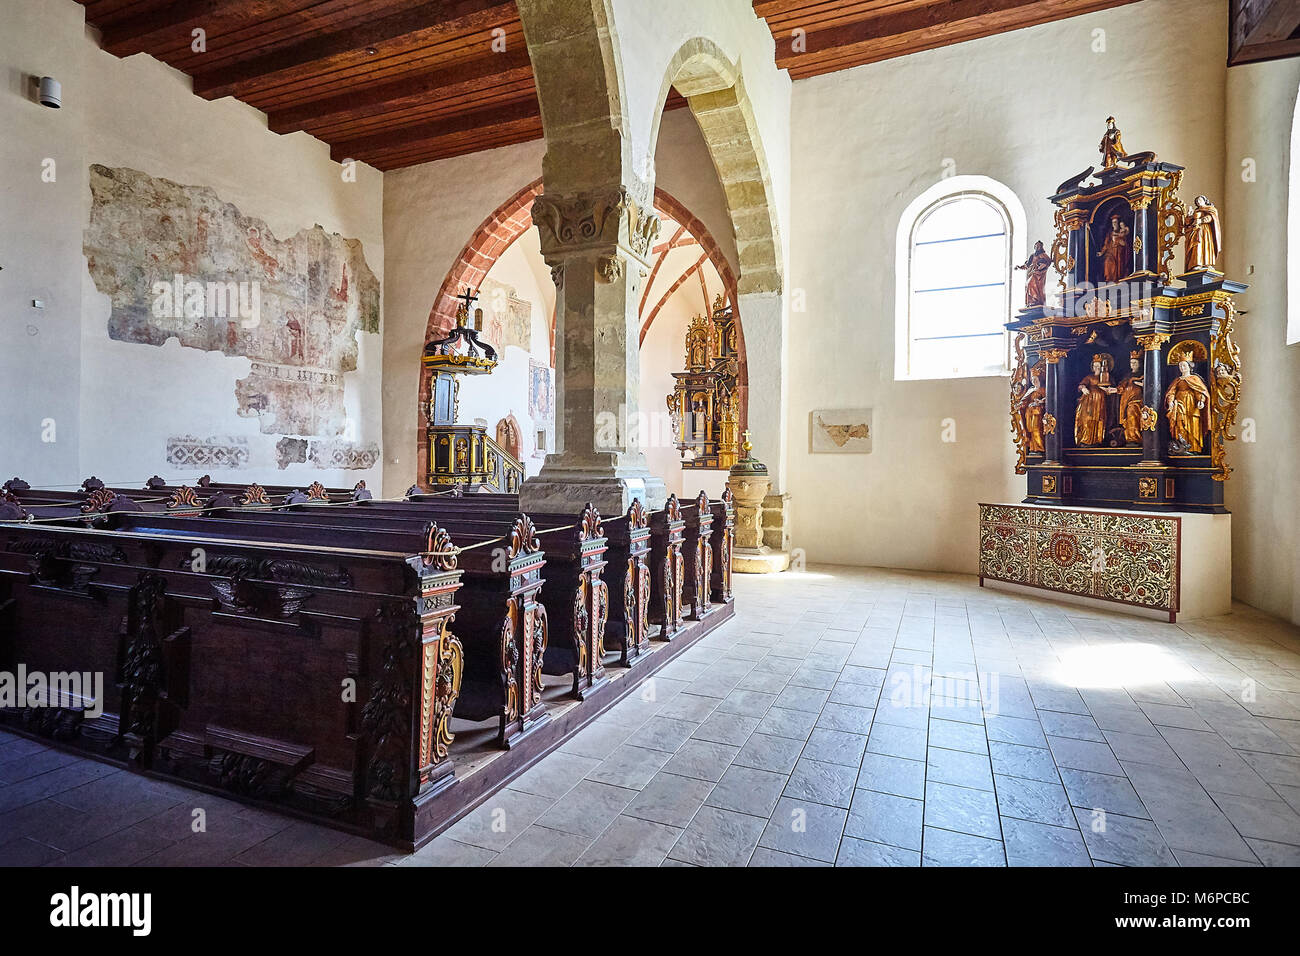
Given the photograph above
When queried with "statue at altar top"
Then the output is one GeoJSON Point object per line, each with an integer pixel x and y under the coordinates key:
{"type": "Point", "coordinates": [1112, 147]}
{"type": "Point", "coordinates": [1187, 401]}
{"type": "Point", "coordinates": [1036, 266]}
{"type": "Point", "coordinates": [1203, 235]}
{"type": "Point", "coordinates": [1090, 414]}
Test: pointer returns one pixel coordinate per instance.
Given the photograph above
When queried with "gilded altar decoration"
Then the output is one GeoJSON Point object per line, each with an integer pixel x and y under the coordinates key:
{"type": "Point", "coordinates": [1188, 400]}
{"type": "Point", "coordinates": [1118, 229]}
{"type": "Point", "coordinates": [1028, 415]}
{"type": "Point", "coordinates": [1090, 411]}
{"type": "Point", "coordinates": [1225, 363]}
{"type": "Point", "coordinates": [1203, 235]}
{"type": "Point", "coordinates": [1115, 556]}
{"type": "Point", "coordinates": [705, 404]}
{"type": "Point", "coordinates": [1130, 401]}
{"type": "Point", "coordinates": [1036, 267]}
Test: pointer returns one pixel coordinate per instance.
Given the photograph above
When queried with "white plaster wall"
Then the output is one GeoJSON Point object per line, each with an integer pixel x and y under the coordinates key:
{"type": "Point", "coordinates": [430, 212]}
{"type": "Point", "coordinates": [685, 171]}
{"type": "Point", "coordinates": [1262, 491]}
{"type": "Point", "coordinates": [1025, 108]}
{"type": "Point", "coordinates": [650, 34]}
{"type": "Point", "coordinates": [128, 398]}
{"type": "Point", "coordinates": [40, 242]}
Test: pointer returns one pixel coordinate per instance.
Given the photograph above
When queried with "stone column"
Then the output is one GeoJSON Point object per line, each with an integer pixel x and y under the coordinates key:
{"type": "Point", "coordinates": [1155, 441]}
{"type": "Point", "coordinates": [1052, 423]}
{"type": "Point", "coordinates": [596, 243]}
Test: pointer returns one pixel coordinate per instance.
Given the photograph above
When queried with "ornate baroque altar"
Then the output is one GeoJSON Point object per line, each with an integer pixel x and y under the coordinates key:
{"type": "Point", "coordinates": [1125, 391]}
{"type": "Point", "coordinates": [705, 402]}
{"type": "Point", "coordinates": [1123, 398]}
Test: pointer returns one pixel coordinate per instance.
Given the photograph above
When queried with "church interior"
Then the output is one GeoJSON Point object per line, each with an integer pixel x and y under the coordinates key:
{"type": "Point", "coordinates": [695, 434]}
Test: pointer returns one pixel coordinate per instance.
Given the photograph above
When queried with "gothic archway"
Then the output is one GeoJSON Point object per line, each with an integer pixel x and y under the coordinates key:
{"type": "Point", "coordinates": [498, 231]}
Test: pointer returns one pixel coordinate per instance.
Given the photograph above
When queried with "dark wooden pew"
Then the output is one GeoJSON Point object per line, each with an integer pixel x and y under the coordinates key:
{"type": "Point", "coordinates": [321, 678]}
{"type": "Point", "coordinates": [667, 573]}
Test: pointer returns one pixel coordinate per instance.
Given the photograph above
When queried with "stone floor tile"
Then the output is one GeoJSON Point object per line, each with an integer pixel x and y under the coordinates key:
{"type": "Point", "coordinates": [854, 852]}
{"type": "Point", "coordinates": [1038, 844]}
{"type": "Point", "coordinates": [820, 782]}
{"type": "Point", "coordinates": [631, 842]}
{"type": "Point", "coordinates": [947, 848]}
{"type": "Point", "coordinates": [747, 790]}
{"type": "Point", "coordinates": [806, 829]}
{"type": "Point", "coordinates": [717, 837]}
{"type": "Point", "coordinates": [885, 818]}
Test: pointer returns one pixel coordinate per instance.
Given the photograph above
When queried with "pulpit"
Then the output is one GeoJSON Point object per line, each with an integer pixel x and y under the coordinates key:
{"type": "Point", "coordinates": [463, 454]}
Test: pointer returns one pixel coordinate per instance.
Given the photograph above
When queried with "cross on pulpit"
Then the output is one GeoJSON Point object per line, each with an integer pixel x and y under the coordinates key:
{"type": "Point", "coordinates": [469, 297]}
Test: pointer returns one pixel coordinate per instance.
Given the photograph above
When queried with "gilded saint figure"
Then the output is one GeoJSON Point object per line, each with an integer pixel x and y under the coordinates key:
{"type": "Point", "coordinates": [1030, 408]}
{"type": "Point", "coordinates": [1130, 401]}
{"type": "Point", "coordinates": [1187, 400]}
{"type": "Point", "coordinates": [1090, 414]}
{"type": "Point", "coordinates": [1036, 281]}
{"type": "Point", "coordinates": [1117, 251]}
{"type": "Point", "coordinates": [1112, 147]}
{"type": "Point", "coordinates": [1202, 235]}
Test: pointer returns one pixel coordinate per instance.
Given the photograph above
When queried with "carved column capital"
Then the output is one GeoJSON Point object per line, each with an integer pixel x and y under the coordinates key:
{"type": "Point", "coordinates": [1152, 341]}
{"type": "Point", "coordinates": [605, 224]}
{"type": "Point", "coordinates": [1054, 356]}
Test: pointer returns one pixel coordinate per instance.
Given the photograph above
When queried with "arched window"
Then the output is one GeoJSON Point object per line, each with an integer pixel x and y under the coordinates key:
{"type": "Point", "coordinates": [957, 243]}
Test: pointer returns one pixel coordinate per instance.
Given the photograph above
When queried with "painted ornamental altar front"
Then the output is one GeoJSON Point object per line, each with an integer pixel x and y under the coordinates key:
{"type": "Point", "coordinates": [1126, 386]}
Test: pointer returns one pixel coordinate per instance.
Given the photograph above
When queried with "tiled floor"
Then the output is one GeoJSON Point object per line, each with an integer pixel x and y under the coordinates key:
{"type": "Point", "coordinates": [847, 716]}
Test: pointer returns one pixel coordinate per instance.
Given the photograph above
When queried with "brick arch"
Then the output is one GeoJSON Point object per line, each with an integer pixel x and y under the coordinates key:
{"type": "Point", "coordinates": [493, 237]}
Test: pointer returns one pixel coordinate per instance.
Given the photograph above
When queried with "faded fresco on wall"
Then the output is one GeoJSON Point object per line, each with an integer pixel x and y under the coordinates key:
{"type": "Point", "coordinates": [178, 262]}
{"type": "Point", "coordinates": [541, 398]}
{"type": "Point", "coordinates": [507, 319]}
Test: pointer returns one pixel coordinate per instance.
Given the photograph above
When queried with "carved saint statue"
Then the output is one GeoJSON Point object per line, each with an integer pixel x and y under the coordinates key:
{"type": "Point", "coordinates": [1203, 235]}
{"type": "Point", "coordinates": [1030, 409]}
{"type": "Point", "coordinates": [1130, 401]}
{"type": "Point", "coordinates": [1035, 282]}
{"type": "Point", "coordinates": [1117, 251]}
{"type": "Point", "coordinates": [1090, 414]}
{"type": "Point", "coordinates": [1111, 148]}
{"type": "Point", "coordinates": [1188, 400]}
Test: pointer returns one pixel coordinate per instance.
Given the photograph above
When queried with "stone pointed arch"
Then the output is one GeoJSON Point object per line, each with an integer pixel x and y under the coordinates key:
{"type": "Point", "coordinates": [714, 89]}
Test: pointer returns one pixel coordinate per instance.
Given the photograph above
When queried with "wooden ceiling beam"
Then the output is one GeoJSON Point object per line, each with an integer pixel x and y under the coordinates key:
{"type": "Point", "coordinates": [413, 90]}
{"type": "Point", "coordinates": [1262, 30]}
{"type": "Point", "coordinates": [429, 19]}
{"type": "Point", "coordinates": [429, 133]}
{"type": "Point", "coordinates": [139, 32]}
{"type": "Point", "coordinates": [900, 29]}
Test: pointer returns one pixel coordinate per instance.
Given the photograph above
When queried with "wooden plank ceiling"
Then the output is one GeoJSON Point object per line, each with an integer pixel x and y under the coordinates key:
{"type": "Point", "coordinates": [1262, 30]}
{"type": "Point", "coordinates": [839, 34]}
{"type": "Point", "coordinates": [395, 83]}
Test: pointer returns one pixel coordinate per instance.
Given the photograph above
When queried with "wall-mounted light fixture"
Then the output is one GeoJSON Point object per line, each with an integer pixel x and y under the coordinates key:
{"type": "Point", "coordinates": [51, 93]}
